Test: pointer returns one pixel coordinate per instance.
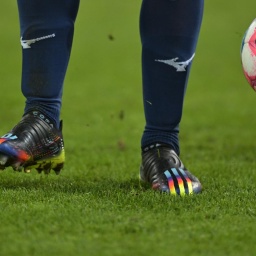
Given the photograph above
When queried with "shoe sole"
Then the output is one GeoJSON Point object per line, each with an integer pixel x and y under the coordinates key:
{"type": "Point", "coordinates": [45, 165]}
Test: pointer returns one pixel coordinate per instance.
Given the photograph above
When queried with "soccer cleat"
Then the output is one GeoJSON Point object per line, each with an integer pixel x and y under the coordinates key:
{"type": "Point", "coordinates": [34, 143]}
{"type": "Point", "coordinates": [163, 169]}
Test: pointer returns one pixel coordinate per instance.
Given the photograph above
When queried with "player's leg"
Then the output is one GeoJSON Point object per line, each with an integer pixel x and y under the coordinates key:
{"type": "Point", "coordinates": [169, 33]}
{"type": "Point", "coordinates": [46, 38]}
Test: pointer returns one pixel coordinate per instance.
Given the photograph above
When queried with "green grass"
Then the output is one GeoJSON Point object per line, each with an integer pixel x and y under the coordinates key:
{"type": "Point", "coordinates": [97, 205]}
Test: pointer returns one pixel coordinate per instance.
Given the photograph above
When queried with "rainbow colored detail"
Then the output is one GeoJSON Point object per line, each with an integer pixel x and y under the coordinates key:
{"type": "Point", "coordinates": [170, 183]}
{"type": "Point", "coordinates": [182, 181]}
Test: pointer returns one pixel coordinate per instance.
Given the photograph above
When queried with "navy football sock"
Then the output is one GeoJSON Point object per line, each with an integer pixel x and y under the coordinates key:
{"type": "Point", "coordinates": [169, 32]}
{"type": "Point", "coordinates": [46, 37]}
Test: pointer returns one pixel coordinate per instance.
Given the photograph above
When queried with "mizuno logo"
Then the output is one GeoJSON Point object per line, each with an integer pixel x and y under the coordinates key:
{"type": "Point", "coordinates": [9, 136]}
{"type": "Point", "coordinates": [180, 66]}
{"type": "Point", "coordinates": [26, 43]}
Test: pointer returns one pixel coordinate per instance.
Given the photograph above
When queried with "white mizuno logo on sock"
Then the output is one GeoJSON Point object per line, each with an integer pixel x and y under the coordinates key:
{"type": "Point", "coordinates": [180, 66]}
{"type": "Point", "coordinates": [26, 43]}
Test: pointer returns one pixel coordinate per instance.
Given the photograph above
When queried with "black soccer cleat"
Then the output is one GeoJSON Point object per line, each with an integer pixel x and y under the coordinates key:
{"type": "Point", "coordinates": [163, 169]}
{"type": "Point", "coordinates": [33, 143]}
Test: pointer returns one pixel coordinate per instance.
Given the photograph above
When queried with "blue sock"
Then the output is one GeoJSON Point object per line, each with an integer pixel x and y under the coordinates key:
{"type": "Point", "coordinates": [169, 32]}
{"type": "Point", "coordinates": [47, 29]}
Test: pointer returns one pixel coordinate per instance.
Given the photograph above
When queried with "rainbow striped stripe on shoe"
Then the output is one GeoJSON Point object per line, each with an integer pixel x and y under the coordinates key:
{"type": "Point", "coordinates": [34, 143]}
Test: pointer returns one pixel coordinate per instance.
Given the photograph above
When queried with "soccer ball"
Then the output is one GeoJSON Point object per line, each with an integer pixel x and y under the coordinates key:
{"type": "Point", "coordinates": [248, 54]}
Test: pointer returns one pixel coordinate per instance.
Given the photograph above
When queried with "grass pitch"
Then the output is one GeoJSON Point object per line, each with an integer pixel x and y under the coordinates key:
{"type": "Point", "coordinates": [97, 205]}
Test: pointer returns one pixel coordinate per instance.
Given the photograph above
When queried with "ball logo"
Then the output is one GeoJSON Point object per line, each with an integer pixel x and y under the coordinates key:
{"type": "Point", "coordinates": [252, 43]}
